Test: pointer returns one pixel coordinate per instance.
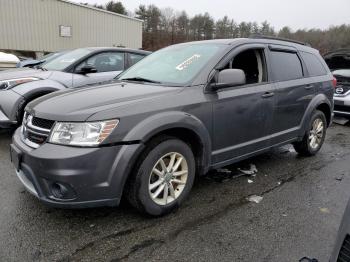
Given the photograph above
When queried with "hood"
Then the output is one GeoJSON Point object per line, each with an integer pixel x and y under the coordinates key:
{"type": "Point", "coordinates": [23, 72]}
{"type": "Point", "coordinates": [28, 63]}
{"type": "Point", "coordinates": [338, 59]}
{"type": "Point", "coordinates": [79, 104]}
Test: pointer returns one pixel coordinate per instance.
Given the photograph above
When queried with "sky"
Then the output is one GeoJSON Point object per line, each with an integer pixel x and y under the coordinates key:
{"type": "Point", "coordinates": [297, 14]}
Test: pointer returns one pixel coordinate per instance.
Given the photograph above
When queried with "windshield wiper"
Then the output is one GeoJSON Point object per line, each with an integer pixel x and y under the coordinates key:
{"type": "Point", "coordinates": [140, 79]}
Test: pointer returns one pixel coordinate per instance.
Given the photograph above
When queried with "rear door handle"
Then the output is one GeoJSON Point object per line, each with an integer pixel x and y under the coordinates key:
{"type": "Point", "coordinates": [268, 94]}
{"type": "Point", "coordinates": [309, 86]}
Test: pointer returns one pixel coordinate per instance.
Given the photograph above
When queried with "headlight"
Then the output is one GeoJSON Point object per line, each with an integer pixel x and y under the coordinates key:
{"type": "Point", "coordinates": [10, 83]}
{"type": "Point", "coordinates": [82, 134]}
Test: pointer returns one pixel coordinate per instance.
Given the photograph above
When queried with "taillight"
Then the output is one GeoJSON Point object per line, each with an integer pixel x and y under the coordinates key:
{"type": "Point", "coordinates": [334, 82]}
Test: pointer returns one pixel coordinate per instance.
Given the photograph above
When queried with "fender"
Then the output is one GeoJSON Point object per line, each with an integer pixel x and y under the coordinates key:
{"type": "Point", "coordinates": [33, 90]}
{"type": "Point", "coordinates": [41, 86]}
{"type": "Point", "coordinates": [315, 102]}
{"type": "Point", "coordinates": [164, 121]}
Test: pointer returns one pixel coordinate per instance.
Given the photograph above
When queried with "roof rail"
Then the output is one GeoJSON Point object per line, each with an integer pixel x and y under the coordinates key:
{"type": "Point", "coordinates": [258, 36]}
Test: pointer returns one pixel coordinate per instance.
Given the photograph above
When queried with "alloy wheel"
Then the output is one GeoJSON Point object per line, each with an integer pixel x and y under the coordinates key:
{"type": "Point", "coordinates": [316, 133]}
{"type": "Point", "coordinates": [168, 178]}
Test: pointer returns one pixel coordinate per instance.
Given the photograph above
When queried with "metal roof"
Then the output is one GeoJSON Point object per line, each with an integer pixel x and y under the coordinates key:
{"type": "Point", "coordinates": [101, 10]}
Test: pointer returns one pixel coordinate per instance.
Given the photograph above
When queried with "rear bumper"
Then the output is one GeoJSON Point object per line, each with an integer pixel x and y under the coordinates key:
{"type": "Point", "coordinates": [91, 176]}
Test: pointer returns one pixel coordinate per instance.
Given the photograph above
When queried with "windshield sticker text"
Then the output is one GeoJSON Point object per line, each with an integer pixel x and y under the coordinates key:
{"type": "Point", "coordinates": [188, 62]}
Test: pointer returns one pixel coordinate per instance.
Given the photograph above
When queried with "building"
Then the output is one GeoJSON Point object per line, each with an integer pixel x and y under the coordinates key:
{"type": "Point", "coordinates": [41, 26]}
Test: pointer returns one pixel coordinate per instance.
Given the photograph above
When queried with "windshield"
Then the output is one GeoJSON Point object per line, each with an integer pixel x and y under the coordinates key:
{"type": "Point", "coordinates": [172, 65]}
{"type": "Point", "coordinates": [52, 56]}
{"type": "Point", "coordinates": [62, 62]}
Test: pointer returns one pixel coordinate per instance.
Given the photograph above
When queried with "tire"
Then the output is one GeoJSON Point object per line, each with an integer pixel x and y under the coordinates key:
{"type": "Point", "coordinates": [306, 147]}
{"type": "Point", "coordinates": [150, 172]}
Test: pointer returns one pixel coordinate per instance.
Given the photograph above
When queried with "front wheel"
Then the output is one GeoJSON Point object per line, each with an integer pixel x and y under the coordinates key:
{"type": "Point", "coordinates": [164, 177]}
{"type": "Point", "coordinates": [314, 137]}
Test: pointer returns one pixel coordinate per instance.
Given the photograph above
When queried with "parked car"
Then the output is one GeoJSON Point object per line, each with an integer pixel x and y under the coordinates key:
{"type": "Point", "coordinates": [8, 61]}
{"type": "Point", "coordinates": [339, 63]}
{"type": "Point", "coordinates": [44, 59]}
{"type": "Point", "coordinates": [76, 68]}
{"type": "Point", "coordinates": [341, 251]}
{"type": "Point", "coordinates": [176, 114]}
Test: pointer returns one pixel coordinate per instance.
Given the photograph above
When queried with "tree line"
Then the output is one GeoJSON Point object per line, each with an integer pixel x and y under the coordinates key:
{"type": "Point", "coordinates": [166, 26]}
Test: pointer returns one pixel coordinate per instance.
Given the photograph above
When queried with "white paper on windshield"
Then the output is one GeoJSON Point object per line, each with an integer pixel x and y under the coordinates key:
{"type": "Point", "coordinates": [188, 62]}
{"type": "Point", "coordinates": [67, 60]}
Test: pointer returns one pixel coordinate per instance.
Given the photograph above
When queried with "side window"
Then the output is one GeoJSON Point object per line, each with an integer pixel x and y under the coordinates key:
{"type": "Point", "coordinates": [286, 66]}
{"type": "Point", "coordinates": [313, 64]}
{"type": "Point", "coordinates": [134, 58]}
{"type": "Point", "coordinates": [105, 62]}
{"type": "Point", "coordinates": [252, 62]}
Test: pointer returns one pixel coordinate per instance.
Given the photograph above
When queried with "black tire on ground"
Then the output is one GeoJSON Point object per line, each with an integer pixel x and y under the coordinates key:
{"type": "Point", "coordinates": [137, 187]}
{"type": "Point", "coordinates": [304, 147]}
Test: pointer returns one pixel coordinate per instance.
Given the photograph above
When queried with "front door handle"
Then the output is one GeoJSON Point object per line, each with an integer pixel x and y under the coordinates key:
{"type": "Point", "coordinates": [268, 94]}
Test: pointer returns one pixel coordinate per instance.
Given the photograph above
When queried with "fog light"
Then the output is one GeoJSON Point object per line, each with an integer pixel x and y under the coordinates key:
{"type": "Point", "coordinates": [61, 191]}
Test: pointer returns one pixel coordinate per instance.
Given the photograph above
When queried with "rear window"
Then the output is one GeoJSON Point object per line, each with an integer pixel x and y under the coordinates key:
{"type": "Point", "coordinates": [286, 66]}
{"type": "Point", "coordinates": [313, 64]}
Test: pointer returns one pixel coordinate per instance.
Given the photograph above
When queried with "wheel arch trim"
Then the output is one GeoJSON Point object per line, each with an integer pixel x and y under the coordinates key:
{"type": "Point", "coordinates": [314, 104]}
{"type": "Point", "coordinates": [166, 121]}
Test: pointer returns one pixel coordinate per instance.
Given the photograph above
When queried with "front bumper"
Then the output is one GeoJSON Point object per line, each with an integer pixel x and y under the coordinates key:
{"type": "Point", "coordinates": [92, 176]}
{"type": "Point", "coordinates": [342, 105]}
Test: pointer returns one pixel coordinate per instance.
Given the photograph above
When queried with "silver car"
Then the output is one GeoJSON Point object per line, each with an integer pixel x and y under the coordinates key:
{"type": "Point", "coordinates": [339, 63]}
{"type": "Point", "coordinates": [75, 68]}
{"type": "Point", "coordinates": [342, 93]}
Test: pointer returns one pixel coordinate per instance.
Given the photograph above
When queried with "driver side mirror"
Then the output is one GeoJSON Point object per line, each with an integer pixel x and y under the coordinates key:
{"type": "Point", "coordinates": [86, 69]}
{"type": "Point", "coordinates": [229, 78]}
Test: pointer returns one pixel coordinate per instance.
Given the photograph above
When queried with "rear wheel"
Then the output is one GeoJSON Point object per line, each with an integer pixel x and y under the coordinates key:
{"type": "Point", "coordinates": [314, 137]}
{"type": "Point", "coordinates": [163, 178]}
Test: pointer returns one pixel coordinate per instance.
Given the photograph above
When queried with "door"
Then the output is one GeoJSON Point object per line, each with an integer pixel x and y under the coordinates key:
{"type": "Point", "coordinates": [242, 115]}
{"type": "Point", "coordinates": [293, 93]}
{"type": "Point", "coordinates": [107, 64]}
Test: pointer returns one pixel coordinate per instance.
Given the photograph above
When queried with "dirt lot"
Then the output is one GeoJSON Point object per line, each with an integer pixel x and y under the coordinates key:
{"type": "Point", "coordinates": [303, 201]}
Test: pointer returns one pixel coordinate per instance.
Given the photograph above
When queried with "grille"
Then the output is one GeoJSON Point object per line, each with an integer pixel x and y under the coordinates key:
{"type": "Point", "coordinates": [342, 108]}
{"type": "Point", "coordinates": [42, 123]}
{"type": "Point", "coordinates": [344, 253]}
{"type": "Point", "coordinates": [35, 131]}
{"type": "Point", "coordinates": [36, 138]}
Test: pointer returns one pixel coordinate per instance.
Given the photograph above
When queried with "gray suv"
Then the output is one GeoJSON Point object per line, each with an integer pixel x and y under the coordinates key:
{"type": "Point", "coordinates": [74, 68]}
{"type": "Point", "coordinates": [175, 115]}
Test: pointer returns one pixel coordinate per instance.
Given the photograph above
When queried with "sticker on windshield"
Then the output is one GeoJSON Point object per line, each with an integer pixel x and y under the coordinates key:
{"type": "Point", "coordinates": [188, 62]}
{"type": "Point", "coordinates": [67, 60]}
